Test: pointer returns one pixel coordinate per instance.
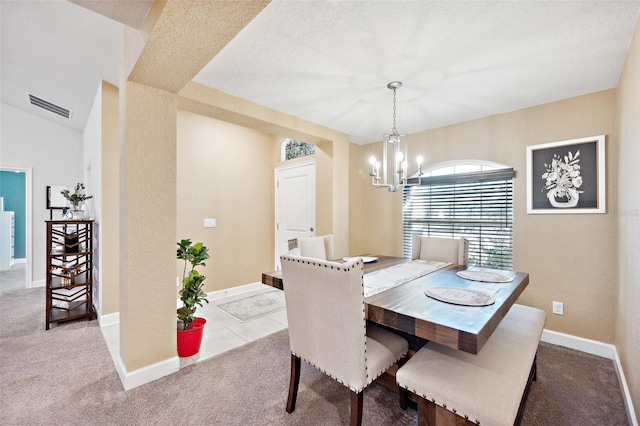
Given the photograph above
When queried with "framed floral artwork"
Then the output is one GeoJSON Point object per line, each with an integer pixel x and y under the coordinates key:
{"type": "Point", "coordinates": [567, 176]}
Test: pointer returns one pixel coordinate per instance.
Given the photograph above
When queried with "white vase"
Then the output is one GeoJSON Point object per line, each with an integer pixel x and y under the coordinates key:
{"type": "Point", "coordinates": [555, 202]}
{"type": "Point", "coordinates": [74, 214]}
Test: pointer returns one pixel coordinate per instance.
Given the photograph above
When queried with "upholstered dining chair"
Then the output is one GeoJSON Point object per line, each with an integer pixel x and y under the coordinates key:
{"type": "Point", "coordinates": [327, 327]}
{"type": "Point", "coordinates": [320, 247]}
{"type": "Point", "coordinates": [439, 249]}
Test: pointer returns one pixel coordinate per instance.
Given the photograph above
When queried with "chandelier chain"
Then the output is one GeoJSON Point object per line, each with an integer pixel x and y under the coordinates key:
{"type": "Point", "coordinates": [395, 132]}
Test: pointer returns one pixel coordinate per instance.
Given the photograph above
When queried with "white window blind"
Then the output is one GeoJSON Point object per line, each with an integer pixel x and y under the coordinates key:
{"type": "Point", "coordinates": [477, 206]}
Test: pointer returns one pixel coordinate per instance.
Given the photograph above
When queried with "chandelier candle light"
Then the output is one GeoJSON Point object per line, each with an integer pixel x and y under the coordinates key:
{"type": "Point", "coordinates": [394, 155]}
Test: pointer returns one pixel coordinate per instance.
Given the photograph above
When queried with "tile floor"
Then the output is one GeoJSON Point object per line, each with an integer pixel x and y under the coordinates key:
{"type": "Point", "coordinates": [222, 331]}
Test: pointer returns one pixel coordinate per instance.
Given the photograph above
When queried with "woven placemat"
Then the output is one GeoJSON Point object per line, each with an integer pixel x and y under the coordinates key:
{"type": "Point", "coordinates": [484, 276]}
{"type": "Point", "coordinates": [460, 296]}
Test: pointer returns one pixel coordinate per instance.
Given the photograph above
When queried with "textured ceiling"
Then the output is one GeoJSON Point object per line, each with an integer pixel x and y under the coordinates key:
{"type": "Point", "coordinates": [329, 61]}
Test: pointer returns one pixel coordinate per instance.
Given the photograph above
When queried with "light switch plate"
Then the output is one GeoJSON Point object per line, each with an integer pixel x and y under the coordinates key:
{"type": "Point", "coordinates": [209, 223]}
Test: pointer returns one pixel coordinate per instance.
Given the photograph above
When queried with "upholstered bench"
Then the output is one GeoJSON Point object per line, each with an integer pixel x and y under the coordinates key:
{"type": "Point", "coordinates": [490, 388]}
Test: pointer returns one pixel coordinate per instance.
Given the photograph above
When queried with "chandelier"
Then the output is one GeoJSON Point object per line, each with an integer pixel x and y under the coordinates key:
{"type": "Point", "coordinates": [392, 174]}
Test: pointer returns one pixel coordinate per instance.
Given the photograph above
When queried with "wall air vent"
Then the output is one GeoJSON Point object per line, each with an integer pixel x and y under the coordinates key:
{"type": "Point", "coordinates": [49, 106]}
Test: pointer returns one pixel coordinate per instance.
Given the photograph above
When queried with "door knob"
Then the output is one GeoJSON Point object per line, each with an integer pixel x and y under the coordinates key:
{"type": "Point", "coordinates": [311, 229]}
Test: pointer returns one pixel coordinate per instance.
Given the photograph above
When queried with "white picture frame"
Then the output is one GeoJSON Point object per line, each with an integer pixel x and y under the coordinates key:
{"type": "Point", "coordinates": [567, 177]}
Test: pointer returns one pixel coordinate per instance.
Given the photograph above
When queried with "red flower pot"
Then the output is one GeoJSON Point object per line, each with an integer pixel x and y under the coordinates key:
{"type": "Point", "coordinates": [189, 340]}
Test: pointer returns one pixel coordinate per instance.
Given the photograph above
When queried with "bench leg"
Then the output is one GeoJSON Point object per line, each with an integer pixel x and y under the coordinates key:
{"type": "Point", "coordinates": [532, 376]}
{"type": "Point", "coordinates": [402, 392]}
{"type": "Point", "coordinates": [430, 414]}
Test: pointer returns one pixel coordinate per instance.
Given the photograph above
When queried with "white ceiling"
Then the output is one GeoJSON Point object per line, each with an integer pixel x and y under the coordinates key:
{"type": "Point", "coordinates": [59, 52]}
{"type": "Point", "coordinates": [329, 61]}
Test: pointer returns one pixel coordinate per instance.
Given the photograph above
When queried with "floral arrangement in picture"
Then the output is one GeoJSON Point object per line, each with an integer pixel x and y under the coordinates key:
{"type": "Point", "coordinates": [563, 180]}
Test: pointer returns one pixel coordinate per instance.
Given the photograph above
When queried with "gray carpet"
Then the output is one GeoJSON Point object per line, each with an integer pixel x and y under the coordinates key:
{"type": "Point", "coordinates": [65, 376]}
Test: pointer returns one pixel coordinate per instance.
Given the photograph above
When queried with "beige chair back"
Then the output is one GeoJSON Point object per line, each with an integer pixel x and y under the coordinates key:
{"type": "Point", "coordinates": [325, 312]}
{"type": "Point", "coordinates": [450, 250]}
{"type": "Point", "coordinates": [292, 244]}
{"type": "Point", "coordinates": [320, 247]}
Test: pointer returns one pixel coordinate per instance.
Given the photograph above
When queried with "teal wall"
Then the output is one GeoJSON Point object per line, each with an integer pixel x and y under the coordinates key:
{"type": "Point", "coordinates": [13, 190]}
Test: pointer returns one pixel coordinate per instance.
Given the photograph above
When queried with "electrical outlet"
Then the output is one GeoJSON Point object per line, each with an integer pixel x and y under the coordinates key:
{"type": "Point", "coordinates": [558, 308]}
{"type": "Point", "coordinates": [209, 223]}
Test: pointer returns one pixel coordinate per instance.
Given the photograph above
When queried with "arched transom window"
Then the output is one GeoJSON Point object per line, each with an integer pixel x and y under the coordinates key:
{"type": "Point", "coordinates": [292, 148]}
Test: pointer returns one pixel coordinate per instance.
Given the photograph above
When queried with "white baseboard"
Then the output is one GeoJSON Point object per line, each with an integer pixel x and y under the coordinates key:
{"type": "Point", "coordinates": [578, 343]}
{"type": "Point", "coordinates": [38, 283]}
{"type": "Point", "coordinates": [221, 294]}
{"type": "Point", "coordinates": [625, 391]}
{"type": "Point", "coordinates": [149, 373]}
{"type": "Point", "coordinates": [109, 319]}
{"type": "Point", "coordinates": [595, 348]}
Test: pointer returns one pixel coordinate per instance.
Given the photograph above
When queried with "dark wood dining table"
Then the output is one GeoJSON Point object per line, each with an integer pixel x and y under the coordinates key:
{"type": "Point", "coordinates": [274, 278]}
{"type": "Point", "coordinates": [407, 309]}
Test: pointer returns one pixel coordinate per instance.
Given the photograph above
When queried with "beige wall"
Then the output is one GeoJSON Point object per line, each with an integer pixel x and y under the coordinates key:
{"type": "Point", "coordinates": [225, 172]}
{"type": "Point", "coordinates": [110, 211]}
{"type": "Point", "coordinates": [628, 214]}
{"type": "Point", "coordinates": [570, 258]}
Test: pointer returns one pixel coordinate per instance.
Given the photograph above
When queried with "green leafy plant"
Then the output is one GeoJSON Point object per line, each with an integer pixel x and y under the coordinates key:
{"type": "Point", "coordinates": [77, 196]}
{"type": "Point", "coordinates": [191, 293]}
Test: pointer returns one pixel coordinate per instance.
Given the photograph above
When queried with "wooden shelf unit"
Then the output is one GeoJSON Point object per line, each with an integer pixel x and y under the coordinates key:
{"type": "Point", "coordinates": [69, 270]}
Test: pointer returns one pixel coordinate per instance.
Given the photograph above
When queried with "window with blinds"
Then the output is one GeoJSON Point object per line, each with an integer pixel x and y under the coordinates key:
{"type": "Point", "coordinates": [477, 206]}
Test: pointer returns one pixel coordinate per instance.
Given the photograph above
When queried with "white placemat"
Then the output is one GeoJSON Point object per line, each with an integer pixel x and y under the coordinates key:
{"type": "Point", "coordinates": [383, 279]}
{"type": "Point", "coordinates": [485, 276]}
{"type": "Point", "coordinates": [460, 296]}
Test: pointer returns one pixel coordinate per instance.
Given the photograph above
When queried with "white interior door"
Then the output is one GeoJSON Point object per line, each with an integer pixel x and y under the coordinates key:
{"type": "Point", "coordinates": [295, 205]}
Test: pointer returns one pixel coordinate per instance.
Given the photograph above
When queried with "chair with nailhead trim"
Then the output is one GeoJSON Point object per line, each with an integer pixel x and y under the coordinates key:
{"type": "Point", "coordinates": [320, 247]}
{"type": "Point", "coordinates": [440, 249]}
{"type": "Point", "coordinates": [328, 328]}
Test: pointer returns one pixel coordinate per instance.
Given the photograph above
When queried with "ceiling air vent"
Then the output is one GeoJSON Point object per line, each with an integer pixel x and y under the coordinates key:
{"type": "Point", "coordinates": [49, 106]}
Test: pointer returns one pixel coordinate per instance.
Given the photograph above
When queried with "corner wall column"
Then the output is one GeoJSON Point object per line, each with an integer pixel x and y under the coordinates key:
{"type": "Point", "coordinates": [148, 243]}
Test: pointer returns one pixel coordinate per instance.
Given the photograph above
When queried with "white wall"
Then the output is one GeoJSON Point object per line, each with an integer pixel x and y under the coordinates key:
{"type": "Point", "coordinates": [92, 160]}
{"type": "Point", "coordinates": [55, 154]}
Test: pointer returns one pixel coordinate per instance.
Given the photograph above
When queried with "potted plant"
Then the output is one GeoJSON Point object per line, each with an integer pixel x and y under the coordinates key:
{"type": "Point", "coordinates": [75, 198]}
{"type": "Point", "coordinates": [190, 328]}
